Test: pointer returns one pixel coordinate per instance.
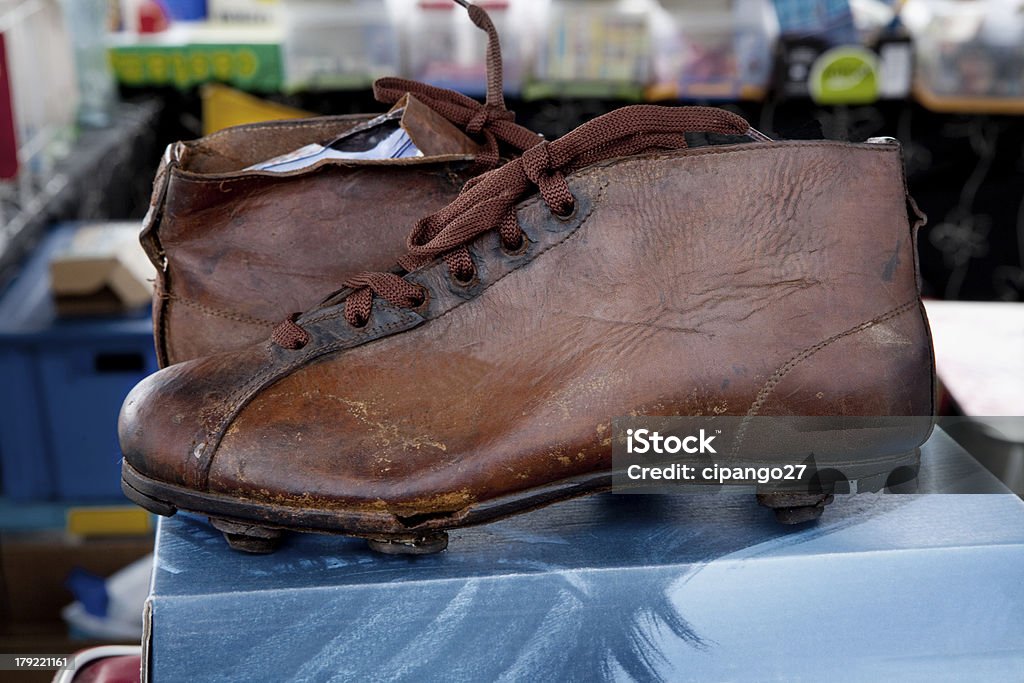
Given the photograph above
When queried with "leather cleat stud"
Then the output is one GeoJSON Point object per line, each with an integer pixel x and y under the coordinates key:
{"type": "Point", "coordinates": [248, 538]}
{"type": "Point", "coordinates": [403, 544]}
{"type": "Point", "coordinates": [796, 508]}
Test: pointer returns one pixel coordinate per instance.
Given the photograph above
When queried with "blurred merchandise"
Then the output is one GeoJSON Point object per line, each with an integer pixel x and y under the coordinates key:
{"type": "Point", "coordinates": [970, 55]}
{"type": "Point", "coordinates": [187, 55]}
{"type": "Point", "coordinates": [87, 22]}
{"type": "Point", "coordinates": [593, 48]}
{"type": "Point", "coordinates": [109, 609]}
{"type": "Point", "coordinates": [444, 49]}
{"type": "Point", "coordinates": [338, 43]}
{"type": "Point", "coordinates": [224, 107]}
{"type": "Point", "coordinates": [152, 17]}
{"type": "Point", "coordinates": [244, 11]}
{"type": "Point", "coordinates": [107, 520]}
{"type": "Point", "coordinates": [844, 75]}
{"type": "Point", "coordinates": [64, 381]}
{"type": "Point", "coordinates": [713, 49]}
{"type": "Point", "coordinates": [38, 103]}
{"type": "Point", "coordinates": [821, 53]}
{"type": "Point", "coordinates": [101, 271]}
{"type": "Point", "coordinates": [895, 61]}
{"type": "Point", "coordinates": [186, 10]}
{"type": "Point", "coordinates": [830, 21]}
{"type": "Point", "coordinates": [36, 566]}
{"type": "Point", "coordinates": [8, 138]}
{"type": "Point", "coordinates": [794, 60]}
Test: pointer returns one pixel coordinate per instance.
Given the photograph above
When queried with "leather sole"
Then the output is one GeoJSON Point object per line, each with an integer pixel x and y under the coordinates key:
{"type": "Point", "coordinates": [257, 527]}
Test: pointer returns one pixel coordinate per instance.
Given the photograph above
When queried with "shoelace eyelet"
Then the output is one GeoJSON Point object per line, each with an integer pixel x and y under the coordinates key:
{"type": "Point", "coordinates": [422, 300]}
{"type": "Point", "coordinates": [360, 323]}
{"type": "Point", "coordinates": [514, 249]}
{"type": "Point", "coordinates": [469, 280]}
{"type": "Point", "coordinates": [568, 216]}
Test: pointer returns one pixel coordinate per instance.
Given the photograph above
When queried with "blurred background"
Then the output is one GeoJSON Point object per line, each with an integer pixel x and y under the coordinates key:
{"type": "Point", "coordinates": [92, 91]}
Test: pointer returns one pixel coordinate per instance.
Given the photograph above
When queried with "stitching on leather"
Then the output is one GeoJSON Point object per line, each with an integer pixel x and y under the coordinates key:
{"type": "Point", "coordinates": [218, 312]}
{"type": "Point", "coordinates": [785, 368]}
{"type": "Point", "coordinates": [160, 313]}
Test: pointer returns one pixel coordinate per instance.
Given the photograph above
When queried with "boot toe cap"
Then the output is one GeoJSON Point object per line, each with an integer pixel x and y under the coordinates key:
{"type": "Point", "coordinates": [153, 429]}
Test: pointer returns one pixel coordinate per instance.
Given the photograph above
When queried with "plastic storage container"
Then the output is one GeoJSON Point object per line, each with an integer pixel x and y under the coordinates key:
{"type": "Point", "coordinates": [713, 49]}
{"type": "Point", "coordinates": [444, 48]}
{"type": "Point", "coordinates": [338, 44]}
{"type": "Point", "coordinates": [63, 384]}
{"type": "Point", "coordinates": [186, 10]}
{"type": "Point", "coordinates": [244, 12]}
{"type": "Point", "coordinates": [593, 48]}
{"type": "Point", "coordinates": [970, 55]}
{"type": "Point", "coordinates": [37, 119]}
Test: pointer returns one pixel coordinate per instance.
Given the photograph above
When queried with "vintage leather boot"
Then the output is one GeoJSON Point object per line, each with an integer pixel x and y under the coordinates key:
{"type": "Point", "coordinates": [237, 250]}
{"type": "Point", "coordinates": [612, 272]}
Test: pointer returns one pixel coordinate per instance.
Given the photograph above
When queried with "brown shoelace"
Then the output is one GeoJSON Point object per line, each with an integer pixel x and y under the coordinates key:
{"type": "Point", "coordinates": [489, 201]}
{"type": "Point", "coordinates": [491, 120]}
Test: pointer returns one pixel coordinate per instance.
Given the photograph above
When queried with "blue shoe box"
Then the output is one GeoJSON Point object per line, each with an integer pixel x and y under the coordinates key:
{"type": "Point", "coordinates": [700, 587]}
{"type": "Point", "coordinates": [63, 381]}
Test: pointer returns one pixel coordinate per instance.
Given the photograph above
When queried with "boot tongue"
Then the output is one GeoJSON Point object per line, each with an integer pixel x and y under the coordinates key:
{"type": "Point", "coordinates": [433, 134]}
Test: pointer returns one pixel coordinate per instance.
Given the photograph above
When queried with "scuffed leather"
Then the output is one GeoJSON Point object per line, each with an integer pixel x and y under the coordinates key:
{"type": "Point", "coordinates": [757, 279]}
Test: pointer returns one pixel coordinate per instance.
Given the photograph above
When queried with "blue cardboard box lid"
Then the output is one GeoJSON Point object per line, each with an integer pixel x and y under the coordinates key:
{"type": "Point", "coordinates": [616, 587]}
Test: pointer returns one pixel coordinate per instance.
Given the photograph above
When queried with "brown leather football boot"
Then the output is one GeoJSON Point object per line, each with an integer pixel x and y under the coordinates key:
{"type": "Point", "coordinates": [237, 250]}
{"type": "Point", "coordinates": [611, 272]}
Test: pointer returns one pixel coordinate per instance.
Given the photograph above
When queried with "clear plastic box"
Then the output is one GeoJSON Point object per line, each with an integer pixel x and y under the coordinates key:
{"type": "Point", "coordinates": [245, 12]}
{"type": "Point", "coordinates": [970, 55]}
{"type": "Point", "coordinates": [713, 49]}
{"type": "Point", "coordinates": [338, 44]}
{"type": "Point", "coordinates": [592, 47]}
{"type": "Point", "coordinates": [444, 47]}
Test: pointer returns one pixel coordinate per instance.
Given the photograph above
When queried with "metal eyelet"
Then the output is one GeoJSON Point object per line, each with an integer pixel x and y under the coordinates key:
{"type": "Point", "coordinates": [571, 214]}
{"type": "Point", "coordinates": [424, 300]}
{"type": "Point", "coordinates": [469, 282]}
{"type": "Point", "coordinates": [516, 250]}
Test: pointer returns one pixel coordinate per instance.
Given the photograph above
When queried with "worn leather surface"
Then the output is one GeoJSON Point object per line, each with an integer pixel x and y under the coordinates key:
{"type": "Point", "coordinates": [237, 251]}
{"type": "Point", "coordinates": [754, 279]}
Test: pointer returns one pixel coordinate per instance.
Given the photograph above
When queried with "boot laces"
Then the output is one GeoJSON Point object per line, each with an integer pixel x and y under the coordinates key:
{"type": "Point", "coordinates": [488, 202]}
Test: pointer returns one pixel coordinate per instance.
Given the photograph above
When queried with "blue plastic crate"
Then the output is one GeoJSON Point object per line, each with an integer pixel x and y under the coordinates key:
{"type": "Point", "coordinates": [62, 382]}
